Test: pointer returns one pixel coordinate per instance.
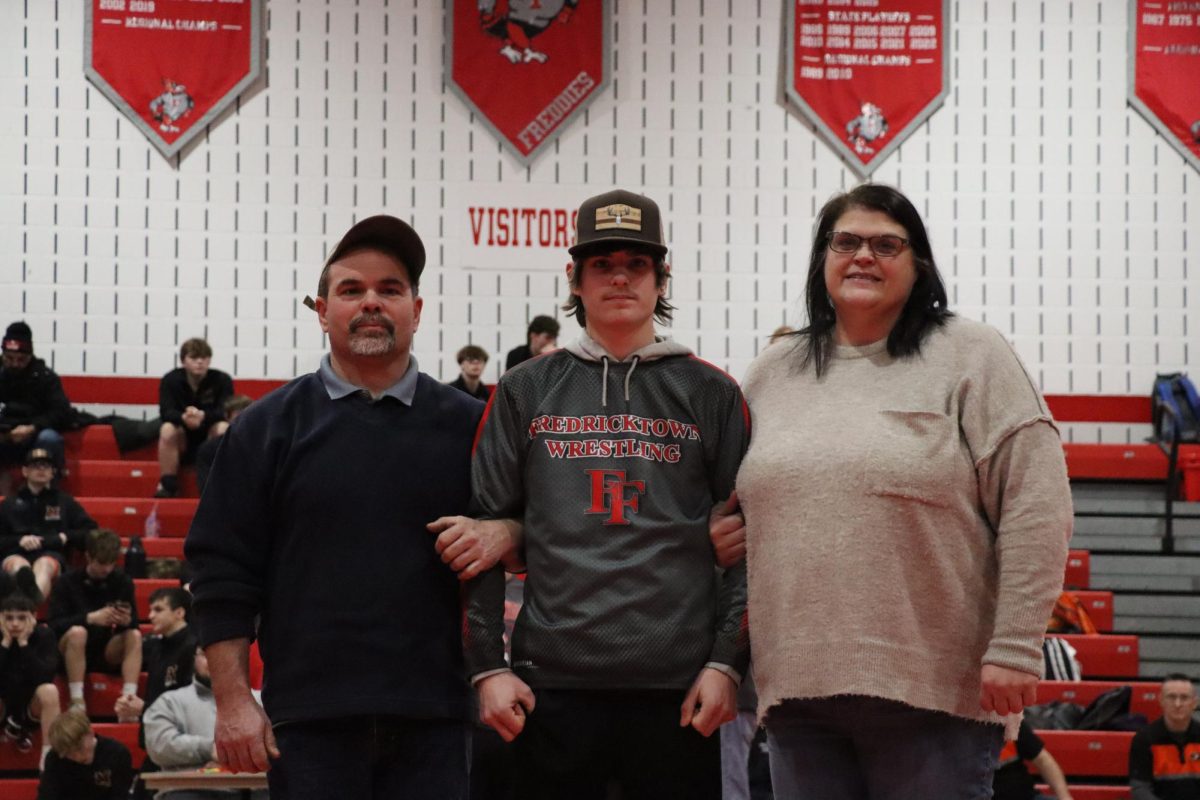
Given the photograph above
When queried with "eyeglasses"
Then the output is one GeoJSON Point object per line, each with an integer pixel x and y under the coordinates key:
{"type": "Point", "coordinates": [885, 246]}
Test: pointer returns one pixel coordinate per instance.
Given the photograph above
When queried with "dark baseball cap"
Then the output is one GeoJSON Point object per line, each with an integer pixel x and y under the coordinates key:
{"type": "Point", "coordinates": [386, 234]}
{"type": "Point", "coordinates": [618, 218]}
{"type": "Point", "coordinates": [39, 455]}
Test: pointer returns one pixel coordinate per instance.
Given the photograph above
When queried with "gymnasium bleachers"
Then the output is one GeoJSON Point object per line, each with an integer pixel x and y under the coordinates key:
{"type": "Point", "coordinates": [1122, 572]}
{"type": "Point", "coordinates": [116, 490]}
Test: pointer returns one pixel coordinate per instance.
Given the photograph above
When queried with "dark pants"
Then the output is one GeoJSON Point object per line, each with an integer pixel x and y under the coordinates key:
{"type": "Point", "coordinates": [492, 766]}
{"type": "Point", "coordinates": [866, 748]}
{"type": "Point", "coordinates": [576, 742]}
{"type": "Point", "coordinates": [370, 758]}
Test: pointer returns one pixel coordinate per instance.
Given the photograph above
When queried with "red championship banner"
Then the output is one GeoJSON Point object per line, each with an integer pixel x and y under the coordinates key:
{"type": "Point", "coordinates": [527, 67]}
{"type": "Point", "coordinates": [867, 73]}
{"type": "Point", "coordinates": [1164, 71]}
{"type": "Point", "coordinates": [172, 66]}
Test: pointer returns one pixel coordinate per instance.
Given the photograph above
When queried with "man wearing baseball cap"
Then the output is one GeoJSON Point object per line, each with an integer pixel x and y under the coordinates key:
{"type": "Point", "coordinates": [612, 452]}
{"type": "Point", "coordinates": [33, 406]}
{"type": "Point", "coordinates": [311, 537]}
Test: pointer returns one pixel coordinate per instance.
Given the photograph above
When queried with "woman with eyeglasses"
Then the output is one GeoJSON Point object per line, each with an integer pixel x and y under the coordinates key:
{"type": "Point", "coordinates": [907, 515]}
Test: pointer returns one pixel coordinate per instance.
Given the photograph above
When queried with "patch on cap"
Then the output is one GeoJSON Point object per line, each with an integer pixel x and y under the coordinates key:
{"type": "Point", "coordinates": [39, 455]}
{"type": "Point", "coordinates": [619, 215]}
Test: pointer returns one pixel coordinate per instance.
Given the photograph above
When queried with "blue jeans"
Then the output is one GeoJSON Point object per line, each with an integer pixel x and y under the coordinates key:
{"type": "Point", "coordinates": [370, 758]}
{"type": "Point", "coordinates": [736, 737]}
{"type": "Point", "coordinates": [867, 748]}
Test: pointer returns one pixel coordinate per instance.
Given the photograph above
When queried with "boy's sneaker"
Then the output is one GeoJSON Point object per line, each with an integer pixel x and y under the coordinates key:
{"type": "Point", "coordinates": [16, 732]}
{"type": "Point", "coordinates": [27, 583]}
{"type": "Point", "coordinates": [12, 727]}
{"type": "Point", "coordinates": [168, 486]}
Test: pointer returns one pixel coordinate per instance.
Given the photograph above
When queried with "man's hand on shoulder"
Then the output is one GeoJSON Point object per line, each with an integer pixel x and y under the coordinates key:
{"type": "Point", "coordinates": [472, 546]}
{"type": "Point", "coordinates": [504, 702]}
{"type": "Point", "coordinates": [710, 703]}
{"type": "Point", "coordinates": [727, 530]}
{"type": "Point", "coordinates": [244, 740]}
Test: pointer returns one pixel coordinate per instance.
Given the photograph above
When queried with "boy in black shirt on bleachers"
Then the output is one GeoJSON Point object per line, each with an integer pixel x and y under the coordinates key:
{"type": "Point", "coordinates": [191, 403]}
{"type": "Point", "coordinates": [82, 765]}
{"type": "Point", "coordinates": [38, 525]}
{"type": "Point", "coordinates": [93, 612]}
{"type": "Point", "coordinates": [28, 662]}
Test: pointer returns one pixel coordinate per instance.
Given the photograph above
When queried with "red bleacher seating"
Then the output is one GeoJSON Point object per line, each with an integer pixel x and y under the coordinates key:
{"type": "Point", "coordinates": [127, 515]}
{"type": "Point", "coordinates": [1079, 570]}
{"type": "Point", "coordinates": [1121, 461]}
{"type": "Point", "coordinates": [13, 760]}
{"type": "Point", "coordinates": [1125, 462]}
{"type": "Point", "coordinates": [1092, 753]}
{"type": "Point", "coordinates": [1099, 606]}
{"type": "Point", "coordinates": [19, 788]}
{"type": "Point", "coordinates": [157, 548]}
{"type": "Point", "coordinates": [100, 690]}
{"type": "Point", "coordinates": [98, 442]}
{"type": "Point", "coordinates": [1144, 699]}
{"type": "Point", "coordinates": [1105, 656]}
{"type": "Point", "coordinates": [126, 478]}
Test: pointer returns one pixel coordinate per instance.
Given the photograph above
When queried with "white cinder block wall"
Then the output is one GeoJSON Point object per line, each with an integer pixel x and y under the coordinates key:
{"type": "Point", "coordinates": [1057, 214]}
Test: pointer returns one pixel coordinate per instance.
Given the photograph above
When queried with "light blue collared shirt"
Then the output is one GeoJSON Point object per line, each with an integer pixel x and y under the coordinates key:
{"type": "Point", "coordinates": [403, 390]}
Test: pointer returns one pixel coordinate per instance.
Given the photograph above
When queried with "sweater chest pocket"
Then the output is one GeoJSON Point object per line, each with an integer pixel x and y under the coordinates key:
{"type": "Point", "coordinates": [917, 456]}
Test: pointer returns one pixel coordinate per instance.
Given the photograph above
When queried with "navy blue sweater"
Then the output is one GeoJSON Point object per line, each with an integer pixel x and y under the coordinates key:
{"type": "Point", "coordinates": [314, 517]}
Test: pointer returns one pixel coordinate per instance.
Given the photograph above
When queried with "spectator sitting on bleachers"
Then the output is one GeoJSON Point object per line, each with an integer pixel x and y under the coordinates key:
{"type": "Point", "coordinates": [191, 403]}
{"type": "Point", "coordinates": [180, 728]}
{"type": "Point", "coordinates": [82, 765]}
{"type": "Point", "coordinates": [471, 361]}
{"type": "Point", "coordinates": [1164, 758]}
{"type": "Point", "coordinates": [167, 653]}
{"type": "Point", "coordinates": [93, 612]}
{"type": "Point", "coordinates": [33, 406]}
{"type": "Point", "coordinates": [1013, 780]}
{"type": "Point", "coordinates": [28, 661]}
{"type": "Point", "coordinates": [38, 525]}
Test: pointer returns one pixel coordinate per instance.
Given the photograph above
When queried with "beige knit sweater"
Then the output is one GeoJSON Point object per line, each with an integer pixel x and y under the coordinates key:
{"type": "Point", "coordinates": [907, 521]}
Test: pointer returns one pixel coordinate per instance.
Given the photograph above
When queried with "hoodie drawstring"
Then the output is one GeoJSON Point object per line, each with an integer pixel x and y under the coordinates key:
{"type": "Point", "coordinates": [629, 375]}
{"type": "Point", "coordinates": [604, 384]}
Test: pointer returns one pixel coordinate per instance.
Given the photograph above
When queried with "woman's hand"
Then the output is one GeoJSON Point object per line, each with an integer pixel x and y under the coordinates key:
{"type": "Point", "coordinates": [1006, 691]}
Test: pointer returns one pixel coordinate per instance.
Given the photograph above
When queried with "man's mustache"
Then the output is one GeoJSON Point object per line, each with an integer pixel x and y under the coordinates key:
{"type": "Point", "coordinates": [372, 319]}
